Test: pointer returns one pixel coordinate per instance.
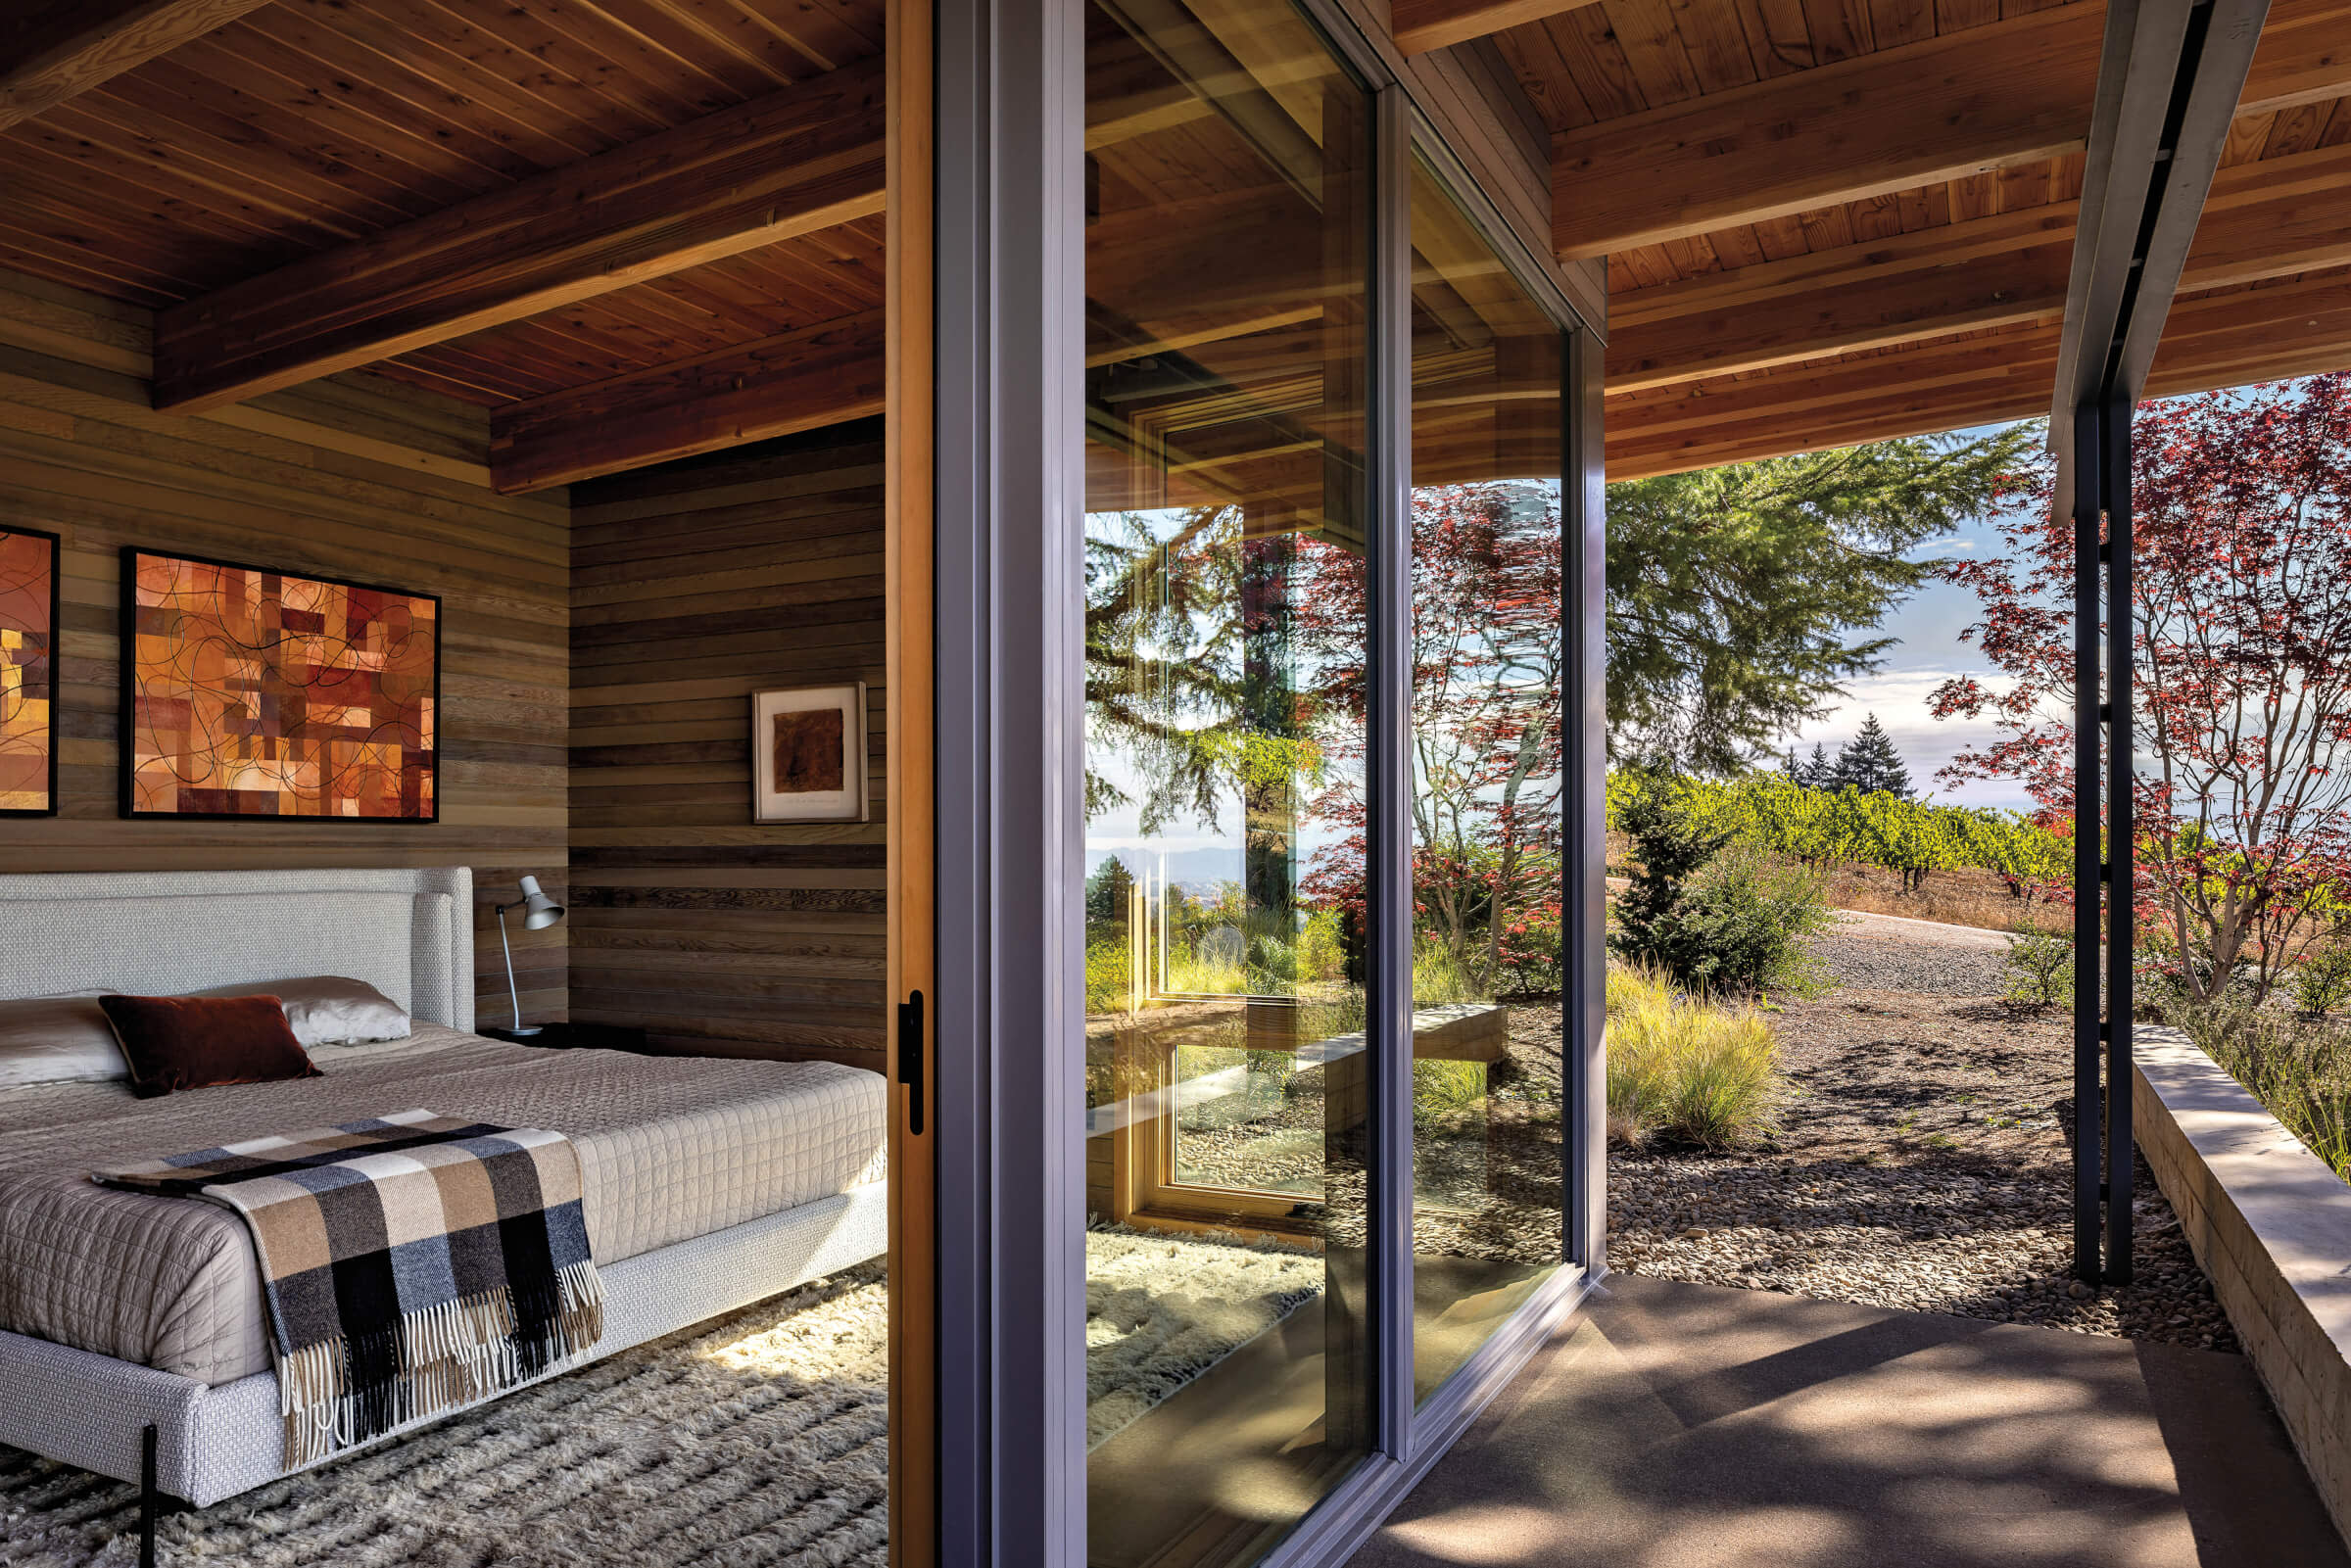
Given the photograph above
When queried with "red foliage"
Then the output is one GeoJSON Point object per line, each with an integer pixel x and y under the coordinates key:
{"type": "Point", "coordinates": [2241, 666]}
{"type": "Point", "coordinates": [1487, 681]}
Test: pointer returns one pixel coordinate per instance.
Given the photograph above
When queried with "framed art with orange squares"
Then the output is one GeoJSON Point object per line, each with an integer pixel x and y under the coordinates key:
{"type": "Point", "coordinates": [252, 692]}
{"type": "Point", "coordinates": [29, 604]}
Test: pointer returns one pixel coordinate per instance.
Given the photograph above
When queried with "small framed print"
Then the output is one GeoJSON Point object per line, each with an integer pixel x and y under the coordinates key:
{"type": "Point", "coordinates": [808, 754]}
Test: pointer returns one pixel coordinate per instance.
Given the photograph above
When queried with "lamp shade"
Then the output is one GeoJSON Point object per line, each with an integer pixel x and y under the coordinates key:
{"type": "Point", "coordinates": [538, 910]}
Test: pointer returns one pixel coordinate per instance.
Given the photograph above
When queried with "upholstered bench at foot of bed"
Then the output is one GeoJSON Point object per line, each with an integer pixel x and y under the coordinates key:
{"type": "Point", "coordinates": [92, 1411]}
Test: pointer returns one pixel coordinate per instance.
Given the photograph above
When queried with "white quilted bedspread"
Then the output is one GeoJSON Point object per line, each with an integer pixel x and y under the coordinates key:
{"type": "Point", "coordinates": [671, 1148]}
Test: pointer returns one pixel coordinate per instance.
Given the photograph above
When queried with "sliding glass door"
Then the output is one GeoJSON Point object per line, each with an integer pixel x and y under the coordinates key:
{"type": "Point", "coordinates": [1268, 853]}
{"type": "Point", "coordinates": [1489, 786]}
{"type": "Point", "coordinates": [1229, 190]}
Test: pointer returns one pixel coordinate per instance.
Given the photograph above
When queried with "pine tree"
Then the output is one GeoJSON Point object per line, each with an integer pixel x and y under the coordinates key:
{"type": "Point", "coordinates": [1818, 772]}
{"type": "Point", "coordinates": [1106, 892]}
{"type": "Point", "coordinates": [1871, 764]}
{"type": "Point", "coordinates": [1743, 599]}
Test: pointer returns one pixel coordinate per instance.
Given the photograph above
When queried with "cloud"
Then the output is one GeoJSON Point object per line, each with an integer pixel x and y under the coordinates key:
{"type": "Point", "coordinates": [1900, 700]}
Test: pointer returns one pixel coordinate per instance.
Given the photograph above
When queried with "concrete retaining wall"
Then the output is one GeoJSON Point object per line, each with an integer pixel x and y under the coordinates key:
{"type": "Point", "coordinates": [2271, 1223]}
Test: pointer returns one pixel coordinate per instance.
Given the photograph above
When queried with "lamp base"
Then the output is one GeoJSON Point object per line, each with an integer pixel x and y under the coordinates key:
{"type": "Point", "coordinates": [520, 1031]}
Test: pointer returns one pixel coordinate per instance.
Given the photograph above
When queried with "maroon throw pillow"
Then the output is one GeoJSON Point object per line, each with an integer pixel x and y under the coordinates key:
{"type": "Point", "coordinates": [194, 1042]}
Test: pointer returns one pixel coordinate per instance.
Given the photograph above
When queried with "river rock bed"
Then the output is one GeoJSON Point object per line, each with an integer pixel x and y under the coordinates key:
{"type": "Point", "coordinates": [1920, 1162]}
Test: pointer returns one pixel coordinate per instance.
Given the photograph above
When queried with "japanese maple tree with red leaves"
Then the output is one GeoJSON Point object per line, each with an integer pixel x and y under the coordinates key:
{"type": "Point", "coordinates": [1488, 673]}
{"type": "Point", "coordinates": [2241, 601]}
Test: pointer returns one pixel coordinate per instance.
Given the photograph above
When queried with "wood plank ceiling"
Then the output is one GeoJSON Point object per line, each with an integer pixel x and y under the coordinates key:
{"type": "Point", "coordinates": [1853, 219]}
{"type": "Point", "coordinates": [507, 203]}
{"type": "Point", "coordinates": [638, 229]}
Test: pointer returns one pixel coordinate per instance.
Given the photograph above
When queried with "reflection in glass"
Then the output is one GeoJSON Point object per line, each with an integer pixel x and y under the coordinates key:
{"type": "Point", "coordinates": [1488, 881]}
{"type": "Point", "coordinates": [1229, 230]}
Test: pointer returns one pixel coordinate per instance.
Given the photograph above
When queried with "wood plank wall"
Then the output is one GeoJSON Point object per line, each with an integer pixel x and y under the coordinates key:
{"type": "Point", "coordinates": [351, 477]}
{"type": "Point", "coordinates": [695, 585]}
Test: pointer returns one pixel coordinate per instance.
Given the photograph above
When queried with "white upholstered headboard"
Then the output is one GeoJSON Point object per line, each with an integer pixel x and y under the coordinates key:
{"type": "Point", "coordinates": [407, 932]}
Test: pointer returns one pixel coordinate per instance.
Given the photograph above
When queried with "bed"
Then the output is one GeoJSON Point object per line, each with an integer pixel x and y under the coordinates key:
{"type": "Point", "coordinates": [133, 1337]}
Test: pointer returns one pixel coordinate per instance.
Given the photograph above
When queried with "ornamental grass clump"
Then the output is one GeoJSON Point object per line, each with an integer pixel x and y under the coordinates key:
{"type": "Point", "coordinates": [1683, 1070]}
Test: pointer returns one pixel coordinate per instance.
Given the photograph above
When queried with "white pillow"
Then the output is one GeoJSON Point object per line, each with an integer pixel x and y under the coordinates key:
{"type": "Point", "coordinates": [332, 1010]}
{"type": "Point", "coordinates": [59, 1039]}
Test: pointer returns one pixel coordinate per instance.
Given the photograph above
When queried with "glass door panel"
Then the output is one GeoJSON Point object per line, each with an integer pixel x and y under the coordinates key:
{"type": "Point", "coordinates": [1229, 210]}
{"type": "Point", "coordinates": [1489, 789]}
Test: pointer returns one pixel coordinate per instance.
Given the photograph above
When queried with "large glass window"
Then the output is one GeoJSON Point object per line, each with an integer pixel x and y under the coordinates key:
{"type": "Point", "coordinates": [1489, 789]}
{"type": "Point", "coordinates": [1229, 209]}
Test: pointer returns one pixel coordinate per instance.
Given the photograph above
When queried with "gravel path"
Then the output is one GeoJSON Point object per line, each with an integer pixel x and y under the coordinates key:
{"type": "Point", "coordinates": [1921, 1160]}
{"type": "Point", "coordinates": [1887, 953]}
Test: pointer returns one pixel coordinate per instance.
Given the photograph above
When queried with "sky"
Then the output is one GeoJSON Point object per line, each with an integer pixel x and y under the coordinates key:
{"type": "Point", "coordinates": [1928, 653]}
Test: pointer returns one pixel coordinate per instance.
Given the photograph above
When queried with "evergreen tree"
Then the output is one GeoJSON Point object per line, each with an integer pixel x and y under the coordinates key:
{"type": "Point", "coordinates": [1871, 764]}
{"type": "Point", "coordinates": [1740, 599]}
{"type": "Point", "coordinates": [1107, 893]}
{"type": "Point", "coordinates": [1818, 772]}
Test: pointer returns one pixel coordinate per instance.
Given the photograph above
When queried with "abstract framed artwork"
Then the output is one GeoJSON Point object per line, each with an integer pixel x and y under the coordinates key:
{"type": "Point", "coordinates": [808, 754]}
{"type": "Point", "coordinates": [30, 609]}
{"type": "Point", "coordinates": [252, 692]}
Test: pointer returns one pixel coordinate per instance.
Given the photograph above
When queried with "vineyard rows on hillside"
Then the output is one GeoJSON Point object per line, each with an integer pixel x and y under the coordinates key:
{"type": "Point", "coordinates": [1827, 828]}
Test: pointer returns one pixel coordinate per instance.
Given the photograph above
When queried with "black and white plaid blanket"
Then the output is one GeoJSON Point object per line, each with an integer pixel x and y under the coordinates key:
{"type": "Point", "coordinates": [413, 1264]}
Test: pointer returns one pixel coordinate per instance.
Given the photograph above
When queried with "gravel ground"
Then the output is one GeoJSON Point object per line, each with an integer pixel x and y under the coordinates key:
{"type": "Point", "coordinates": [1921, 1160]}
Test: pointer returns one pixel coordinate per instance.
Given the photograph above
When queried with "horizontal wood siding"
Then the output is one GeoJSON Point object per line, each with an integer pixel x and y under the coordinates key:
{"type": "Point", "coordinates": [695, 585]}
{"type": "Point", "coordinates": [352, 477]}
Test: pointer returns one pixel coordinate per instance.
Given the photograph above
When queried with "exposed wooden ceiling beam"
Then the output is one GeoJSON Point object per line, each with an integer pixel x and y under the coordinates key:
{"type": "Point", "coordinates": [1803, 407]}
{"type": "Point", "coordinates": [2267, 220]}
{"type": "Point", "coordinates": [1862, 299]}
{"type": "Point", "coordinates": [2304, 57]}
{"type": "Point", "coordinates": [793, 381]}
{"type": "Point", "coordinates": [1420, 25]}
{"type": "Point", "coordinates": [2257, 334]}
{"type": "Point", "coordinates": [51, 53]}
{"type": "Point", "coordinates": [800, 160]}
{"type": "Point", "coordinates": [2211, 340]}
{"type": "Point", "coordinates": [1966, 101]}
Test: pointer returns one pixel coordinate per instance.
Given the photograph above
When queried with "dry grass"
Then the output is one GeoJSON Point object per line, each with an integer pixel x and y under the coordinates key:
{"type": "Point", "coordinates": [1685, 1069]}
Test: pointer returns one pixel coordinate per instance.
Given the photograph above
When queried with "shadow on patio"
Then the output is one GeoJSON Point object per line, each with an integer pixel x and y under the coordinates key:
{"type": "Point", "coordinates": [1675, 1425]}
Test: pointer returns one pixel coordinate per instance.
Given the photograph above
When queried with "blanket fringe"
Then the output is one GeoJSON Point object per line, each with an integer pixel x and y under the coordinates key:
{"type": "Point", "coordinates": [451, 1354]}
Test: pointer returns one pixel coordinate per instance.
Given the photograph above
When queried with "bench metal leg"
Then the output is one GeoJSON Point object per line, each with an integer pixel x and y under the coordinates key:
{"type": "Point", "coordinates": [150, 1498]}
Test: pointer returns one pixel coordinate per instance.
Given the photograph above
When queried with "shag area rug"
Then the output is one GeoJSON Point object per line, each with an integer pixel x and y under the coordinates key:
{"type": "Point", "coordinates": [759, 1440]}
{"type": "Point", "coordinates": [1162, 1310]}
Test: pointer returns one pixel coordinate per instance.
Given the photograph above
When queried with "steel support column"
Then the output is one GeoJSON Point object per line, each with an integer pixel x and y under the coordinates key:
{"type": "Point", "coordinates": [2103, 869]}
{"type": "Point", "coordinates": [2169, 79]}
{"type": "Point", "coordinates": [2122, 926]}
{"type": "Point", "coordinates": [2089, 873]}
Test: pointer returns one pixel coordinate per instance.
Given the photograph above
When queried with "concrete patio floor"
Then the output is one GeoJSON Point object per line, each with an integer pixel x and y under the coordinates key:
{"type": "Point", "coordinates": [1692, 1426]}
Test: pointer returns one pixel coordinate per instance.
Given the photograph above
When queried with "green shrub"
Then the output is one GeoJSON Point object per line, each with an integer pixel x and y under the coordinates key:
{"type": "Point", "coordinates": [1685, 1069]}
{"type": "Point", "coordinates": [1319, 954]}
{"type": "Point", "coordinates": [2323, 981]}
{"type": "Point", "coordinates": [1721, 920]}
{"type": "Point", "coordinates": [1108, 973]}
{"type": "Point", "coordinates": [1271, 967]}
{"type": "Point", "coordinates": [2039, 968]}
